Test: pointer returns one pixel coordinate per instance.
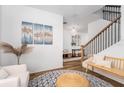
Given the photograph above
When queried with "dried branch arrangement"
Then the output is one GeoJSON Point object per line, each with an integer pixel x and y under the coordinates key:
{"type": "Point", "coordinates": [8, 48]}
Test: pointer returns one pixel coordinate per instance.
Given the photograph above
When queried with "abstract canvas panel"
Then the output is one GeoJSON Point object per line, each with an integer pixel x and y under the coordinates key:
{"type": "Point", "coordinates": [38, 33]}
{"type": "Point", "coordinates": [33, 33]}
{"type": "Point", "coordinates": [27, 33]}
{"type": "Point", "coordinates": [48, 35]}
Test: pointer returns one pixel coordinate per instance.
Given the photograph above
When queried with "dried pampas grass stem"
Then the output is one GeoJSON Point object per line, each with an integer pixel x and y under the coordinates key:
{"type": "Point", "coordinates": [8, 48]}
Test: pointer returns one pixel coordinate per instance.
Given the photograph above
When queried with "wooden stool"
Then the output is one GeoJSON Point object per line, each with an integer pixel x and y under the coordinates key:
{"type": "Point", "coordinates": [71, 80]}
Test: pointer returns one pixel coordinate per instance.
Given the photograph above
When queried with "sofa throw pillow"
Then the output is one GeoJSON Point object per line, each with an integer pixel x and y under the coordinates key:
{"type": "Point", "coordinates": [3, 74]}
{"type": "Point", "coordinates": [104, 63]}
{"type": "Point", "coordinates": [107, 64]}
{"type": "Point", "coordinates": [97, 58]}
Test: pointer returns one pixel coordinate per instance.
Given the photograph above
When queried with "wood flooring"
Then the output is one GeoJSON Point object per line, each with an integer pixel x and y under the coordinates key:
{"type": "Point", "coordinates": [76, 65]}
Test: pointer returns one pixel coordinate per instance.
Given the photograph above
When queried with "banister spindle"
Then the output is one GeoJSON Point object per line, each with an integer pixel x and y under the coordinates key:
{"type": "Point", "coordinates": [103, 40]}
{"type": "Point", "coordinates": [112, 34]}
{"type": "Point", "coordinates": [93, 46]}
{"type": "Point", "coordinates": [110, 14]}
{"type": "Point", "coordinates": [107, 13]}
{"type": "Point", "coordinates": [106, 38]}
{"type": "Point", "coordinates": [115, 12]}
{"type": "Point", "coordinates": [110, 31]}
{"type": "Point", "coordinates": [119, 32]}
{"type": "Point", "coordinates": [109, 37]}
{"type": "Point", "coordinates": [103, 13]}
{"type": "Point", "coordinates": [98, 44]}
{"type": "Point", "coordinates": [115, 33]}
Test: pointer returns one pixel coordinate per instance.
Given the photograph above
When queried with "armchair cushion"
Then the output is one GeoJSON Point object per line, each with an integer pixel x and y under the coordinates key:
{"type": "Point", "coordinates": [16, 69]}
{"type": "Point", "coordinates": [3, 74]}
{"type": "Point", "coordinates": [19, 71]}
{"type": "Point", "coordinates": [10, 81]}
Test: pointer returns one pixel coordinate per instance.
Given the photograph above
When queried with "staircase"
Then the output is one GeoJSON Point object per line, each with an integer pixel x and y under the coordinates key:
{"type": "Point", "coordinates": [111, 12]}
{"type": "Point", "coordinates": [108, 36]}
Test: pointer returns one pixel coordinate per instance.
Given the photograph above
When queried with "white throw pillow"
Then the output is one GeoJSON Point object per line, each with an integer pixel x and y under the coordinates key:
{"type": "Point", "coordinates": [3, 74]}
{"type": "Point", "coordinates": [107, 63]}
{"type": "Point", "coordinates": [97, 58]}
{"type": "Point", "coordinates": [104, 63]}
{"type": "Point", "coordinates": [98, 62]}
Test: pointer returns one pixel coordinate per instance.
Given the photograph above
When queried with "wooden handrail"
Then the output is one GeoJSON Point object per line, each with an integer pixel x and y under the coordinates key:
{"type": "Point", "coordinates": [103, 30]}
{"type": "Point", "coordinates": [113, 5]}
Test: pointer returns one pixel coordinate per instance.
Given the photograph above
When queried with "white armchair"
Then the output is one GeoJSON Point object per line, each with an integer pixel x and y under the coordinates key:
{"type": "Point", "coordinates": [18, 76]}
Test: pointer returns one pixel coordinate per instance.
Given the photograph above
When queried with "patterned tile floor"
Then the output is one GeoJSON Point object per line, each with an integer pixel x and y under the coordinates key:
{"type": "Point", "coordinates": [48, 79]}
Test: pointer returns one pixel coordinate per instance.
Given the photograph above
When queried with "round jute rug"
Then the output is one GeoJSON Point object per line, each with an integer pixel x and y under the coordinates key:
{"type": "Point", "coordinates": [49, 79]}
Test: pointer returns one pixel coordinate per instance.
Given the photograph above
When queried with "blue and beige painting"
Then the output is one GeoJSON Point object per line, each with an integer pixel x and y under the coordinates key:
{"type": "Point", "coordinates": [48, 35]}
{"type": "Point", "coordinates": [38, 34]}
{"type": "Point", "coordinates": [27, 33]}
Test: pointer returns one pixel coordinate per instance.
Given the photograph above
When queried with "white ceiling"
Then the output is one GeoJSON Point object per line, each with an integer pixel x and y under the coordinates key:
{"type": "Point", "coordinates": [77, 16]}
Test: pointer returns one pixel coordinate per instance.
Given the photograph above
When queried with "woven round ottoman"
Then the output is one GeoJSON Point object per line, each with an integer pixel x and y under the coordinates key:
{"type": "Point", "coordinates": [72, 80]}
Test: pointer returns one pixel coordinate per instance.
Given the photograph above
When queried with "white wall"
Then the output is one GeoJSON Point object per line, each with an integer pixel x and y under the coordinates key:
{"type": "Point", "coordinates": [0, 32]}
{"type": "Point", "coordinates": [83, 38]}
{"type": "Point", "coordinates": [122, 22]}
{"type": "Point", "coordinates": [95, 27]}
{"type": "Point", "coordinates": [67, 40]}
{"type": "Point", "coordinates": [43, 57]}
{"type": "Point", "coordinates": [115, 51]}
{"type": "Point", "coordinates": [67, 36]}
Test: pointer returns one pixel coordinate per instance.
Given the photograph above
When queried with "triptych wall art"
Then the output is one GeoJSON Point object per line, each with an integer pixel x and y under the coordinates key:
{"type": "Point", "coordinates": [33, 33]}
